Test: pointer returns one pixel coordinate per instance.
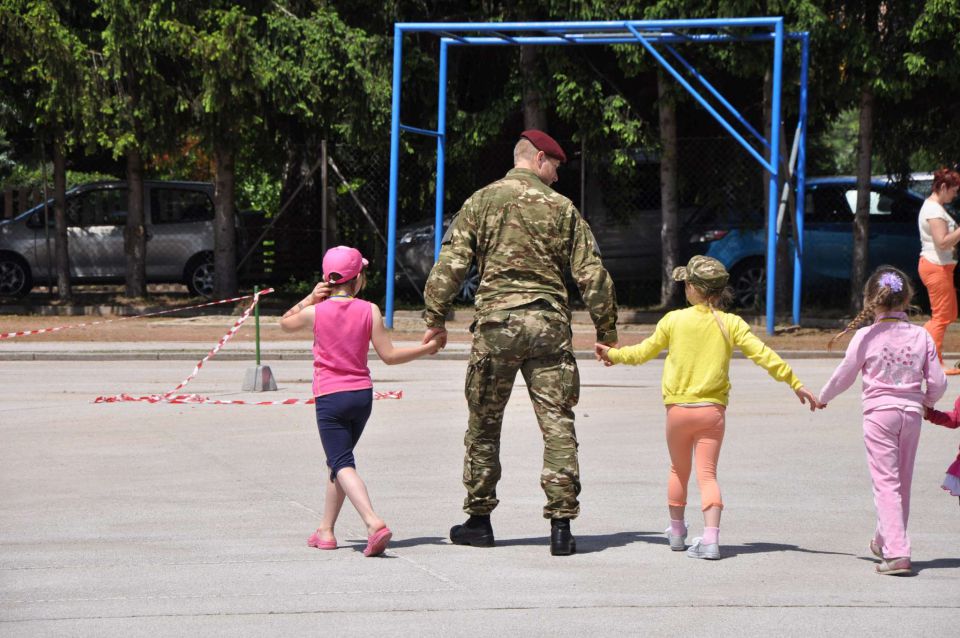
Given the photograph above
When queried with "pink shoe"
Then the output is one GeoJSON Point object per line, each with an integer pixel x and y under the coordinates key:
{"type": "Point", "coordinates": [316, 541]}
{"type": "Point", "coordinates": [377, 542]}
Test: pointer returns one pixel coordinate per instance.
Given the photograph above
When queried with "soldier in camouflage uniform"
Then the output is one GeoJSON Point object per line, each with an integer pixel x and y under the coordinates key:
{"type": "Point", "coordinates": [523, 236]}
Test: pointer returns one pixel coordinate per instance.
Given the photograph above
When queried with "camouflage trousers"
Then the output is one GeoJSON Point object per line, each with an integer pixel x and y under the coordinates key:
{"type": "Point", "coordinates": [537, 342]}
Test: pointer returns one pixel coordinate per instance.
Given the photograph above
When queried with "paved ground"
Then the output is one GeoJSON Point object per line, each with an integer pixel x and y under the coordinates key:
{"type": "Point", "coordinates": [147, 520]}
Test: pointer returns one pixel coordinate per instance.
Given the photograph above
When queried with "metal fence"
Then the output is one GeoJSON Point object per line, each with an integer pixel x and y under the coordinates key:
{"type": "Point", "coordinates": [617, 191]}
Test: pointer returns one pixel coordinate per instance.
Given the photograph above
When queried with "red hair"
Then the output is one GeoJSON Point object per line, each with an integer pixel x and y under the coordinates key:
{"type": "Point", "coordinates": [945, 178]}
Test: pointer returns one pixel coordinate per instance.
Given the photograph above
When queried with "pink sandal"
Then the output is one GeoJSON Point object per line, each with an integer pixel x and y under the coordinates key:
{"type": "Point", "coordinates": [316, 541]}
{"type": "Point", "coordinates": [377, 542]}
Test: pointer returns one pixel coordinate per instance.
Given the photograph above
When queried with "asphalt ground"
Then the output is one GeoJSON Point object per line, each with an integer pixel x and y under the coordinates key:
{"type": "Point", "coordinates": [135, 519]}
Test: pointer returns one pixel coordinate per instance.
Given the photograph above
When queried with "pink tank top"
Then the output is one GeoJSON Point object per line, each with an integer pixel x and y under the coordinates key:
{"type": "Point", "coordinates": [341, 340]}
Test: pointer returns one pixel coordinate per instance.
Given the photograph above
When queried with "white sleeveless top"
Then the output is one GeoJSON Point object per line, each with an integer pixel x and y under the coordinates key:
{"type": "Point", "coordinates": [932, 210]}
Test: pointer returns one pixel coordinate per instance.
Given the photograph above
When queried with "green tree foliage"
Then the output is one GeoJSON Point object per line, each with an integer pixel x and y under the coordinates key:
{"type": "Point", "coordinates": [46, 74]}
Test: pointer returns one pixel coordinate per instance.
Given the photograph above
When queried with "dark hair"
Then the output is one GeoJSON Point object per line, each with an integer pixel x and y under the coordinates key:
{"type": "Point", "coordinates": [877, 295]}
{"type": "Point", "coordinates": [945, 177]}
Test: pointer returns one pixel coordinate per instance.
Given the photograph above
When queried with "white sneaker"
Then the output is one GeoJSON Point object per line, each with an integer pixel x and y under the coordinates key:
{"type": "Point", "coordinates": [677, 543]}
{"type": "Point", "coordinates": [701, 550]}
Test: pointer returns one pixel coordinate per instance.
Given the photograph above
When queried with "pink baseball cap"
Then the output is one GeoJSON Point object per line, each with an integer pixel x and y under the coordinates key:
{"type": "Point", "coordinates": [345, 261]}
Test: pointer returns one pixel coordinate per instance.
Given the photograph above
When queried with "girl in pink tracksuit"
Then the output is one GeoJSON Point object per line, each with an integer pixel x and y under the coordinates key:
{"type": "Point", "coordinates": [896, 359]}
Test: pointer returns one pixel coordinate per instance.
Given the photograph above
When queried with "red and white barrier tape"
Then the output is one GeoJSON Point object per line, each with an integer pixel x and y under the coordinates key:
{"type": "Point", "coordinates": [26, 333]}
{"type": "Point", "coordinates": [196, 398]}
{"type": "Point", "coordinates": [171, 397]}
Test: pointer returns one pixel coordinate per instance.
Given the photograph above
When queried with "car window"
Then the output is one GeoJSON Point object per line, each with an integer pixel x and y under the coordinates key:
{"type": "Point", "coordinates": [906, 208]}
{"type": "Point", "coordinates": [880, 204]}
{"type": "Point", "coordinates": [827, 204]}
{"type": "Point", "coordinates": [178, 205]}
{"type": "Point", "coordinates": [103, 207]}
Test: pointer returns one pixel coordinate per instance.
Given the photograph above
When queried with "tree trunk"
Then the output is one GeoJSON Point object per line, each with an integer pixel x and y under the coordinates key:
{"type": "Point", "coordinates": [784, 279]}
{"type": "Point", "coordinates": [534, 115]}
{"type": "Point", "coordinates": [669, 226]}
{"type": "Point", "coordinates": [224, 231]}
{"type": "Point", "coordinates": [134, 235]}
{"type": "Point", "coordinates": [861, 219]}
{"type": "Point", "coordinates": [60, 222]}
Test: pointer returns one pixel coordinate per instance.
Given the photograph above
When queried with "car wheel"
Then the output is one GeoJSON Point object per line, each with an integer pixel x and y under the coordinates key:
{"type": "Point", "coordinates": [198, 275]}
{"type": "Point", "coordinates": [15, 277]}
{"type": "Point", "coordinates": [749, 282]}
{"type": "Point", "coordinates": [468, 291]}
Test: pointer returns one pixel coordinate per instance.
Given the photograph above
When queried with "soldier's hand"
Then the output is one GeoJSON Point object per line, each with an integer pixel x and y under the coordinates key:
{"type": "Point", "coordinates": [601, 350]}
{"type": "Point", "coordinates": [440, 334]}
{"type": "Point", "coordinates": [321, 291]}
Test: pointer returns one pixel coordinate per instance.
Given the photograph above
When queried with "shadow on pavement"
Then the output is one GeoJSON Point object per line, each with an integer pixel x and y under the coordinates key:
{"type": "Point", "coordinates": [729, 551]}
{"type": "Point", "coordinates": [588, 543]}
{"type": "Point", "coordinates": [937, 563]}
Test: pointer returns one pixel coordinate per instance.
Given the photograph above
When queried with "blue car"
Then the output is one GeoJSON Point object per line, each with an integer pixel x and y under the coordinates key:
{"type": "Point", "coordinates": [827, 239]}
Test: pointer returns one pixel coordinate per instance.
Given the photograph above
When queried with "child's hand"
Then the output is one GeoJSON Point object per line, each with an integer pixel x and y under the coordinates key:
{"type": "Point", "coordinates": [433, 346]}
{"type": "Point", "coordinates": [939, 418]}
{"type": "Point", "coordinates": [806, 396]}
{"type": "Point", "coordinates": [601, 350]}
{"type": "Point", "coordinates": [320, 292]}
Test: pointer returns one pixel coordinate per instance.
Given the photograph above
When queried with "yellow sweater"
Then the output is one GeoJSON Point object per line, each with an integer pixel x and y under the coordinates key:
{"type": "Point", "coordinates": [697, 369]}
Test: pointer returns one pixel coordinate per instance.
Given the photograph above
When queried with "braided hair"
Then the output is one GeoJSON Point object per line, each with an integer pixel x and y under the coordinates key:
{"type": "Point", "coordinates": [887, 288]}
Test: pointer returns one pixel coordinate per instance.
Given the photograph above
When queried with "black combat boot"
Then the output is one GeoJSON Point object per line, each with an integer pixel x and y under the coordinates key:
{"type": "Point", "coordinates": [476, 531]}
{"type": "Point", "coordinates": [562, 542]}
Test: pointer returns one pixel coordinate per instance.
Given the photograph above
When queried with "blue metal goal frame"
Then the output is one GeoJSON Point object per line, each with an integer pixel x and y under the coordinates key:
{"type": "Point", "coordinates": [646, 33]}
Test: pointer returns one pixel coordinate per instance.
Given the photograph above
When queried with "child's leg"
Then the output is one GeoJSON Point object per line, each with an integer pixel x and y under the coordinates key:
{"type": "Point", "coordinates": [881, 435]}
{"type": "Point", "coordinates": [332, 504]}
{"type": "Point", "coordinates": [680, 446]}
{"type": "Point", "coordinates": [909, 441]}
{"type": "Point", "coordinates": [356, 490]}
{"type": "Point", "coordinates": [709, 438]}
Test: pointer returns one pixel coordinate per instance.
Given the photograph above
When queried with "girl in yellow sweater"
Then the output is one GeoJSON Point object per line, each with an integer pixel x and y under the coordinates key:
{"type": "Point", "coordinates": [696, 385]}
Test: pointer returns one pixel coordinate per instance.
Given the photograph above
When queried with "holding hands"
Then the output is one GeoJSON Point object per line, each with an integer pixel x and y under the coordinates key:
{"type": "Point", "coordinates": [806, 396]}
{"type": "Point", "coordinates": [600, 350]}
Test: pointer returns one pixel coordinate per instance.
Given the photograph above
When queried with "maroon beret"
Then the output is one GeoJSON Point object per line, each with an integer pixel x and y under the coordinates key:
{"type": "Point", "coordinates": [545, 143]}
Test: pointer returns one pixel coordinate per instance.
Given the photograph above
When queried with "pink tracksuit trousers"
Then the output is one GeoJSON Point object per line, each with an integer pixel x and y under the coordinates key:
{"type": "Point", "coordinates": [891, 437]}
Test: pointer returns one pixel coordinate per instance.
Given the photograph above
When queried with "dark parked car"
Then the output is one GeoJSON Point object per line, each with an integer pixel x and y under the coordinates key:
{"type": "Point", "coordinates": [178, 217]}
{"type": "Point", "coordinates": [827, 239]}
{"type": "Point", "coordinates": [415, 254]}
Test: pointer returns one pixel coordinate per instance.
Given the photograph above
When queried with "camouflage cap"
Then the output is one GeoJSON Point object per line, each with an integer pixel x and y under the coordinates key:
{"type": "Point", "coordinates": [703, 272]}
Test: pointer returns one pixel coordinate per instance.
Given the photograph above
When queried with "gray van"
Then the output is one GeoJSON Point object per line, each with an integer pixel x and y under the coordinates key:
{"type": "Point", "coordinates": [178, 218]}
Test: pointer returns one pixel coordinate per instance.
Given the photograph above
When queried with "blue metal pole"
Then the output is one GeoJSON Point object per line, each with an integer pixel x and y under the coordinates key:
{"type": "Point", "coordinates": [715, 93]}
{"type": "Point", "coordinates": [773, 191]}
{"type": "Point", "coordinates": [693, 92]}
{"type": "Point", "coordinates": [801, 176]}
{"type": "Point", "coordinates": [441, 147]}
{"type": "Point", "coordinates": [578, 39]}
{"type": "Point", "coordinates": [564, 27]}
{"type": "Point", "coordinates": [394, 170]}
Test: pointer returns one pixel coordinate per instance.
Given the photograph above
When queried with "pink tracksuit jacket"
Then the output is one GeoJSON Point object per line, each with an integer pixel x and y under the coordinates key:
{"type": "Point", "coordinates": [895, 357]}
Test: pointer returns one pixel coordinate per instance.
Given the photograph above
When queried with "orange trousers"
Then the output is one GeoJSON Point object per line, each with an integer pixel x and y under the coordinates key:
{"type": "Point", "coordinates": [943, 299]}
{"type": "Point", "coordinates": [695, 432]}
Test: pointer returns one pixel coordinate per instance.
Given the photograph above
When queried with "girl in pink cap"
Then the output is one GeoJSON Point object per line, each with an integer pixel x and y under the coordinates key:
{"type": "Point", "coordinates": [343, 327]}
{"type": "Point", "coordinates": [901, 376]}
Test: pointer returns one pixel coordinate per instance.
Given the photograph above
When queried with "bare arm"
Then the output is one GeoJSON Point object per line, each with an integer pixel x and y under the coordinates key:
{"type": "Point", "coordinates": [942, 239]}
{"type": "Point", "coordinates": [302, 315]}
{"type": "Point", "coordinates": [390, 354]}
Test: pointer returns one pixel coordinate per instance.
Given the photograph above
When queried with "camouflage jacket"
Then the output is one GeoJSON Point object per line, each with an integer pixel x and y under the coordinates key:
{"type": "Point", "coordinates": [523, 236]}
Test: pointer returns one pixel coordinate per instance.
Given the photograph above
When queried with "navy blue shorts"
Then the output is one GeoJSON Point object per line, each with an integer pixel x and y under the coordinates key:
{"type": "Point", "coordinates": [341, 417]}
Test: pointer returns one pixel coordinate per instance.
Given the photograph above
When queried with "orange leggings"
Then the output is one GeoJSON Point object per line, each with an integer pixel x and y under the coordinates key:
{"type": "Point", "coordinates": [694, 432]}
{"type": "Point", "coordinates": [943, 299]}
